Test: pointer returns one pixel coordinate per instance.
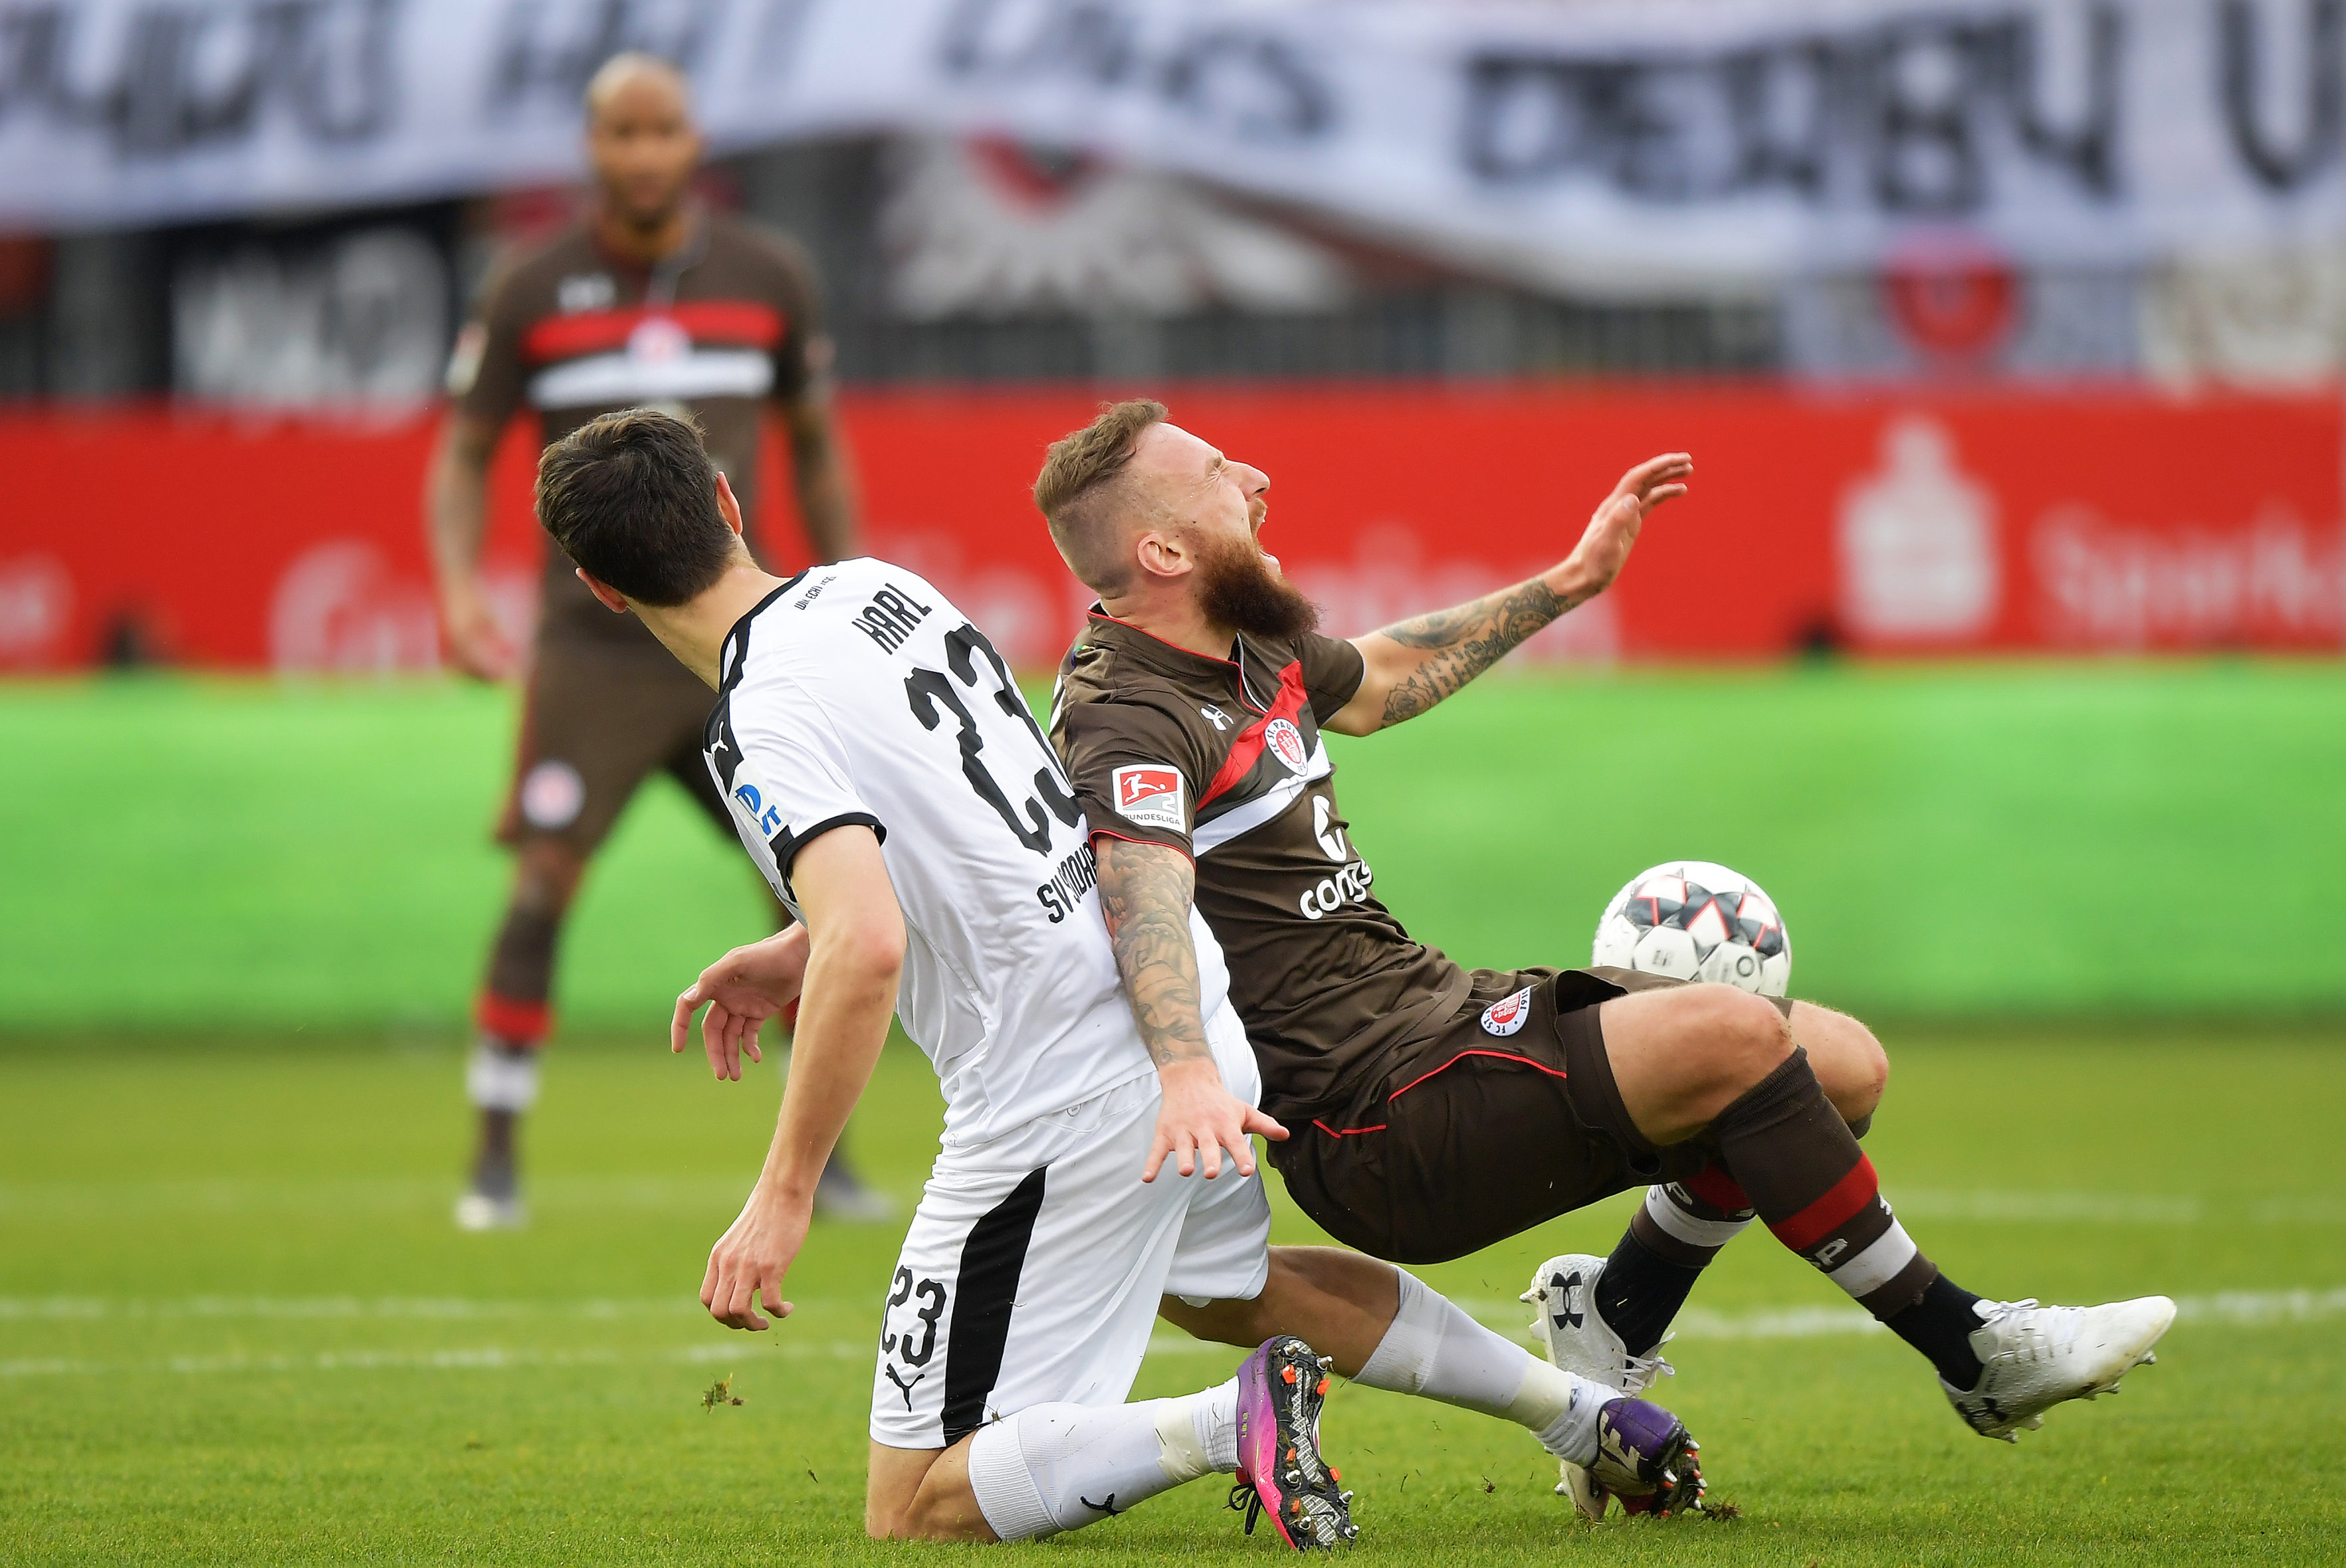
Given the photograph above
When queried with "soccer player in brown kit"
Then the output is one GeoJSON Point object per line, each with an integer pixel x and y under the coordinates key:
{"type": "Point", "coordinates": [1432, 1110]}
{"type": "Point", "coordinates": [652, 301]}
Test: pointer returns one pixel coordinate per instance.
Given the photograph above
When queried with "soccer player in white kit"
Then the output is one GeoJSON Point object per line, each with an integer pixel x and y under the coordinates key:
{"type": "Point", "coordinates": [889, 781]}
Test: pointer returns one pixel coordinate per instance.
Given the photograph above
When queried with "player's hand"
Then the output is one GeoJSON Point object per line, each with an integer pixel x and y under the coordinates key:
{"type": "Point", "coordinates": [478, 645]}
{"type": "Point", "coordinates": [742, 990]}
{"type": "Point", "coordinates": [1604, 547]}
{"type": "Point", "coordinates": [1200, 1118]}
{"type": "Point", "coordinates": [747, 1265]}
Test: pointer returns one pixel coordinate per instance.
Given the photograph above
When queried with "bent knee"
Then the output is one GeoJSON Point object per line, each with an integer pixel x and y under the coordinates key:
{"type": "Point", "coordinates": [1873, 1069]}
{"type": "Point", "coordinates": [1850, 1064]}
{"type": "Point", "coordinates": [1742, 1038]}
{"type": "Point", "coordinates": [545, 876]}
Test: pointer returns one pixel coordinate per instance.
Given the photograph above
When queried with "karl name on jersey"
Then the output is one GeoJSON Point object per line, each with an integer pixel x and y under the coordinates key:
{"type": "Point", "coordinates": [891, 615]}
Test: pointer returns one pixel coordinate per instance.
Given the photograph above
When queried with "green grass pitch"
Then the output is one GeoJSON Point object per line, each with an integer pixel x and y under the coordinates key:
{"type": "Point", "coordinates": [239, 925]}
{"type": "Point", "coordinates": [236, 1326]}
{"type": "Point", "coordinates": [1996, 841]}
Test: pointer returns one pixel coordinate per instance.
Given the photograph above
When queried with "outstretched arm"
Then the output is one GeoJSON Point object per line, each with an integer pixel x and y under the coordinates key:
{"type": "Point", "coordinates": [856, 932]}
{"type": "Point", "coordinates": [1145, 892]}
{"type": "Point", "coordinates": [1414, 664]}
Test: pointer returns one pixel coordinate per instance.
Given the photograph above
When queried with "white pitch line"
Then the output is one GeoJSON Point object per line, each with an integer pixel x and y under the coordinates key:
{"type": "Point", "coordinates": [477, 1359]}
{"type": "Point", "coordinates": [2237, 1308]}
{"type": "Point", "coordinates": [334, 1307]}
{"type": "Point", "coordinates": [2053, 1207]}
{"type": "Point", "coordinates": [387, 1195]}
{"type": "Point", "coordinates": [2234, 1309]}
{"type": "Point", "coordinates": [600, 1195]}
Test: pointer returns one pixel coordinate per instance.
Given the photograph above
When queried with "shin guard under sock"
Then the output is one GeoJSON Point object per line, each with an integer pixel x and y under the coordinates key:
{"type": "Point", "coordinates": [1673, 1237]}
{"type": "Point", "coordinates": [1640, 1291]}
{"type": "Point", "coordinates": [1054, 1467]}
{"type": "Point", "coordinates": [1787, 1147]}
{"type": "Point", "coordinates": [1435, 1350]}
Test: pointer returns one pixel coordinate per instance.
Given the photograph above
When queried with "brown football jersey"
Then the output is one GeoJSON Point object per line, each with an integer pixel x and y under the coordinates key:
{"type": "Point", "coordinates": [1222, 761]}
{"type": "Point", "coordinates": [719, 328]}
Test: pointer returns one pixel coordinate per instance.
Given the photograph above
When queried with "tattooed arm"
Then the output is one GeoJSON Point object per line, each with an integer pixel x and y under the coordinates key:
{"type": "Point", "coordinates": [1145, 892]}
{"type": "Point", "coordinates": [1414, 664]}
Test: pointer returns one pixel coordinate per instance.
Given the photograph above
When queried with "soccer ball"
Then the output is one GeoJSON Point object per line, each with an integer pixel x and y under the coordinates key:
{"type": "Point", "coordinates": [1691, 919]}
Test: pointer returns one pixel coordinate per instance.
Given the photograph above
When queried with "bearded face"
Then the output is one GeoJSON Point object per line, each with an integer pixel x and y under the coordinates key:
{"type": "Point", "coordinates": [1237, 587]}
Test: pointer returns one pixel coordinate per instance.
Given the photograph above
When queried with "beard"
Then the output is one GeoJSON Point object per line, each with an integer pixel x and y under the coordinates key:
{"type": "Point", "coordinates": [1237, 588]}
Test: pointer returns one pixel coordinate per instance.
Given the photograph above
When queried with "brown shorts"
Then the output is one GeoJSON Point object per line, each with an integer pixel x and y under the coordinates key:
{"type": "Point", "coordinates": [1501, 1117]}
{"type": "Point", "coordinates": [595, 724]}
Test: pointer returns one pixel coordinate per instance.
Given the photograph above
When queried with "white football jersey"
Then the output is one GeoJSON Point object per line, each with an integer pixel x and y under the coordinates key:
{"type": "Point", "coordinates": [855, 693]}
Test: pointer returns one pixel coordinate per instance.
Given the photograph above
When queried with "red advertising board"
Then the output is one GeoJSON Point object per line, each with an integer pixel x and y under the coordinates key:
{"type": "Point", "coordinates": [1960, 522]}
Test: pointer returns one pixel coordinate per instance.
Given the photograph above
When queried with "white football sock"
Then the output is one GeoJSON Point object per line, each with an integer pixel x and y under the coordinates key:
{"type": "Point", "coordinates": [1058, 1467]}
{"type": "Point", "coordinates": [502, 1080]}
{"type": "Point", "coordinates": [1675, 1219]}
{"type": "Point", "coordinates": [1435, 1350]}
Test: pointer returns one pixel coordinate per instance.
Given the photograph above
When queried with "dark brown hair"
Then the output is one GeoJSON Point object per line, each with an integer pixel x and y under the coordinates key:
{"type": "Point", "coordinates": [632, 497]}
{"type": "Point", "coordinates": [1079, 491]}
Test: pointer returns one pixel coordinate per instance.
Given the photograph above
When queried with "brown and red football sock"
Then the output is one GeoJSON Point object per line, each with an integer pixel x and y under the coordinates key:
{"type": "Point", "coordinates": [1787, 1148]}
{"type": "Point", "coordinates": [512, 1011]}
{"type": "Point", "coordinates": [1673, 1237]}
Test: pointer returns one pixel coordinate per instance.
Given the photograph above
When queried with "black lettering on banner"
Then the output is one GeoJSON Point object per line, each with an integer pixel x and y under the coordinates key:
{"type": "Point", "coordinates": [200, 75]}
{"type": "Point", "coordinates": [1908, 116]}
{"type": "Point", "coordinates": [1778, 109]}
{"type": "Point", "coordinates": [2090, 148]}
{"type": "Point", "coordinates": [533, 69]}
{"type": "Point", "coordinates": [1927, 148]}
{"type": "Point", "coordinates": [926, 689]}
{"type": "Point", "coordinates": [2323, 130]}
{"type": "Point", "coordinates": [1252, 84]}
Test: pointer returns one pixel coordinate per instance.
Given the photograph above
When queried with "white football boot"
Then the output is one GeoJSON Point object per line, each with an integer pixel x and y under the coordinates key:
{"type": "Point", "coordinates": [477, 1211]}
{"type": "Point", "coordinates": [2033, 1357]}
{"type": "Point", "coordinates": [1576, 1338]}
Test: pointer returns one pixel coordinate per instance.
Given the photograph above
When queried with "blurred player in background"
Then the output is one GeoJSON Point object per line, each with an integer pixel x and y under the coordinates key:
{"type": "Point", "coordinates": [653, 300]}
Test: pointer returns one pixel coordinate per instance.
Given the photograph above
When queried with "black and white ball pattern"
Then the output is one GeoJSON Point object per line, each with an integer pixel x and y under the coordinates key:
{"type": "Point", "coordinates": [1693, 919]}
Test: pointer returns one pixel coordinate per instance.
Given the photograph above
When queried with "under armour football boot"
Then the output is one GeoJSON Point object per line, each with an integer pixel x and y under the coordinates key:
{"type": "Point", "coordinates": [2032, 1358]}
{"type": "Point", "coordinates": [1576, 1338]}
{"type": "Point", "coordinates": [1645, 1457]}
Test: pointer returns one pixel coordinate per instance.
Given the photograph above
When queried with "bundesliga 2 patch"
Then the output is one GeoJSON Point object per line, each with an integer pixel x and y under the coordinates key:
{"type": "Point", "coordinates": [1149, 796]}
{"type": "Point", "coordinates": [1506, 1015]}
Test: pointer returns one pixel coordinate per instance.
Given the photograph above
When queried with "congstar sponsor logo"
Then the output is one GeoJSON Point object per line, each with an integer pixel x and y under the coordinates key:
{"type": "Point", "coordinates": [1346, 885]}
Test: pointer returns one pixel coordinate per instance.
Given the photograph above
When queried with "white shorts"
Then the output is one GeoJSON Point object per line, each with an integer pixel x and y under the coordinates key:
{"type": "Point", "coordinates": [1035, 1263]}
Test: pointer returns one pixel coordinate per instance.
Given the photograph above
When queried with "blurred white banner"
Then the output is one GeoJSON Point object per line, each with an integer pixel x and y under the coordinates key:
{"type": "Point", "coordinates": [1612, 146]}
